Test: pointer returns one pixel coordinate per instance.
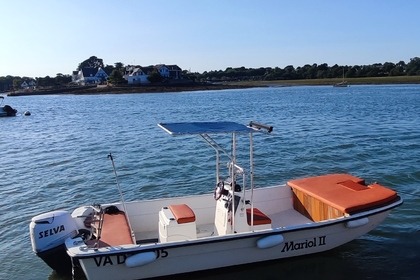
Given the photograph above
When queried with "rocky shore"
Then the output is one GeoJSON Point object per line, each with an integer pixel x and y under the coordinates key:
{"type": "Point", "coordinates": [128, 89]}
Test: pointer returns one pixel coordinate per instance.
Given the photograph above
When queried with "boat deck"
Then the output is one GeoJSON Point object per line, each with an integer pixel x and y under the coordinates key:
{"type": "Point", "coordinates": [284, 219]}
{"type": "Point", "coordinates": [114, 231]}
{"type": "Point", "coordinates": [288, 218]}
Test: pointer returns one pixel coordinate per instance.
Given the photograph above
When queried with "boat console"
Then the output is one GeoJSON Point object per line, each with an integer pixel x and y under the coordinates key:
{"type": "Point", "coordinates": [233, 213]}
{"type": "Point", "coordinates": [245, 218]}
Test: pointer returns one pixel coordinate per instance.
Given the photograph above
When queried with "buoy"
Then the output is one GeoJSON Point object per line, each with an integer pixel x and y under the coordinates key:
{"type": "Point", "coordinates": [357, 223]}
{"type": "Point", "coordinates": [270, 241]}
{"type": "Point", "coordinates": [140, 259]}
{"type": "Point", "coordinates": [26, 113]}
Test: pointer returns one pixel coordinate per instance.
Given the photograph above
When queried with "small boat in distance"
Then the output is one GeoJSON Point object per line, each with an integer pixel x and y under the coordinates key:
{"type": "Point", "coordinates": [236, 224]}
{"type": "Point", "coordinates": [6, 110]}
{"type": "Point", "coordinates": [342, 83]}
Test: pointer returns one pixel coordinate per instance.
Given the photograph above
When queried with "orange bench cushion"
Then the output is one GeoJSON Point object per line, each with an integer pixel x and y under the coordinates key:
{"type": "Point", "coordinates": [344, 192]}
{"type": "Point", "coordinates": [259, 217]}
{"type": "Point", "coordinates": [115, 231]}
{"type": "Point", "coordinates": [182, 213]}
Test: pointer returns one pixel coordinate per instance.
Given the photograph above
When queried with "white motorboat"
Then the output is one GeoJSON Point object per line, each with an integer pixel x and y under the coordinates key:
{"type": "Point", "coordinates": [236, 224]}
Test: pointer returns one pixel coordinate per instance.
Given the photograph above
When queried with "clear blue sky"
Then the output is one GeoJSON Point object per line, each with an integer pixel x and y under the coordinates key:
{"type": "Point", "coordinates": [40, 38]}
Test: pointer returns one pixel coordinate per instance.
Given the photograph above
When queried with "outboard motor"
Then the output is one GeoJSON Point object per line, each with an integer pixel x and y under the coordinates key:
{"type": "Point", "coordinates": [9, 111]}
{"type": "Point", "coordinates": [48, 233]}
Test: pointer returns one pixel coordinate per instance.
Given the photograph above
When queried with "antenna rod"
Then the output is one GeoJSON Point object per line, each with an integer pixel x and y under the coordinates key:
{"type": "Point", "coordinates": [116, 179]}
{"type": "Point", "coordinates": [121, 195]}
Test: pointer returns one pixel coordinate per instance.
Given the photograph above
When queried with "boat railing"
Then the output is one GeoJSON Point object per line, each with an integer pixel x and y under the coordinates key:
{"type": "Point", "coordinates": [97, 224]}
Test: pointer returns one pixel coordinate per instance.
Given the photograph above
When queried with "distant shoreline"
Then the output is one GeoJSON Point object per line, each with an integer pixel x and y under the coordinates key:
{"type": "Point", "coordinates": [332, 81]}
{"type": "Point", "coordinates": [215, 86]}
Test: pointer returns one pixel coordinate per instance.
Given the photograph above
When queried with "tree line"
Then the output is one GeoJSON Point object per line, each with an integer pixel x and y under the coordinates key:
{"type": "Point", "coordinates": [314, 71]}
{"type": "Point", "coordinates": [9, 83]}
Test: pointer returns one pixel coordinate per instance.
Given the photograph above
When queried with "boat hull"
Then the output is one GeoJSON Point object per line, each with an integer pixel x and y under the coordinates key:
{"type": "Point", "coordinates": [217, 252]}
{"type": "Point", "coordinates": [7, 111]}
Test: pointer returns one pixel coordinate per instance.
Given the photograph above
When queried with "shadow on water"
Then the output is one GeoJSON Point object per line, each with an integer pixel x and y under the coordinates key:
{"type": "Point", "coordinates": [320, 266]}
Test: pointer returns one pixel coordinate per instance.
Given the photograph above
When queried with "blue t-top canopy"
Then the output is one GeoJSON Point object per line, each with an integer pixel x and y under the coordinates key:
{"type": "Point", "coordinates": [204, 128]}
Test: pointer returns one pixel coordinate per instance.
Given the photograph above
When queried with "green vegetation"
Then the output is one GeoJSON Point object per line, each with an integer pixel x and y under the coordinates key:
{"type": "Point", "coordinates": [314, 72]}
{"type": "Point", "coordinates": [116, 78]}
{"type": "Point", "coordinates": [91, 62]}
{"type": "Point", "coordinates": [117, 73]}
{"type": "Point", "coordinates": [155, 77]}
{"type": "Point", "coordinates": [320, 82]}
{"type": "Point", "coordinates": [9, 83]}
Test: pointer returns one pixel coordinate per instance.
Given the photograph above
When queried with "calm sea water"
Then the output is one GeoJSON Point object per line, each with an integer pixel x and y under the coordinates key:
{"type": "Point", "coordinates": [57, 159]}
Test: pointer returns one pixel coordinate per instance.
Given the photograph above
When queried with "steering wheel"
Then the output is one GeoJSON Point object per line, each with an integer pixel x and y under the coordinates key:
{"type": "Point", "coordinates": [218, 190]}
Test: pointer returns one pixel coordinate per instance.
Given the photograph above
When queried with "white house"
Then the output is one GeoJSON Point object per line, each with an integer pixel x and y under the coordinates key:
{"type": "Point", "coordinates": [139, 74]}
{"type": "Point", "coordinates": [175, 72]}
{"type": "Point", "coordinates": [136, 75]}
{"type": "Point", "coordinates": [90, 75]}
{"type": "Point", "coordinates": [163, 70]}
{"type": "Point", "coordinates": [28, 84]}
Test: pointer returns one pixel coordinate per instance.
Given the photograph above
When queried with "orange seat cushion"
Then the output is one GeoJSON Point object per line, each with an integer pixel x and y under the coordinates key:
{"type": "Point", "coordinates": [344, 192]}
{"type": "Point", "coordinates": [115, 231]}
{"type": "Point", "coordinates": [182, 213]}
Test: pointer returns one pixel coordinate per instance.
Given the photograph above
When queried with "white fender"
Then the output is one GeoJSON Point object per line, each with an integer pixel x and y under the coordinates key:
{"type": "Point", "coordinates": [140, 259]}
{"type": "Point", "coordinates": [270, 241]}
{"type": "Point", "coordinates": [357, 223]}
